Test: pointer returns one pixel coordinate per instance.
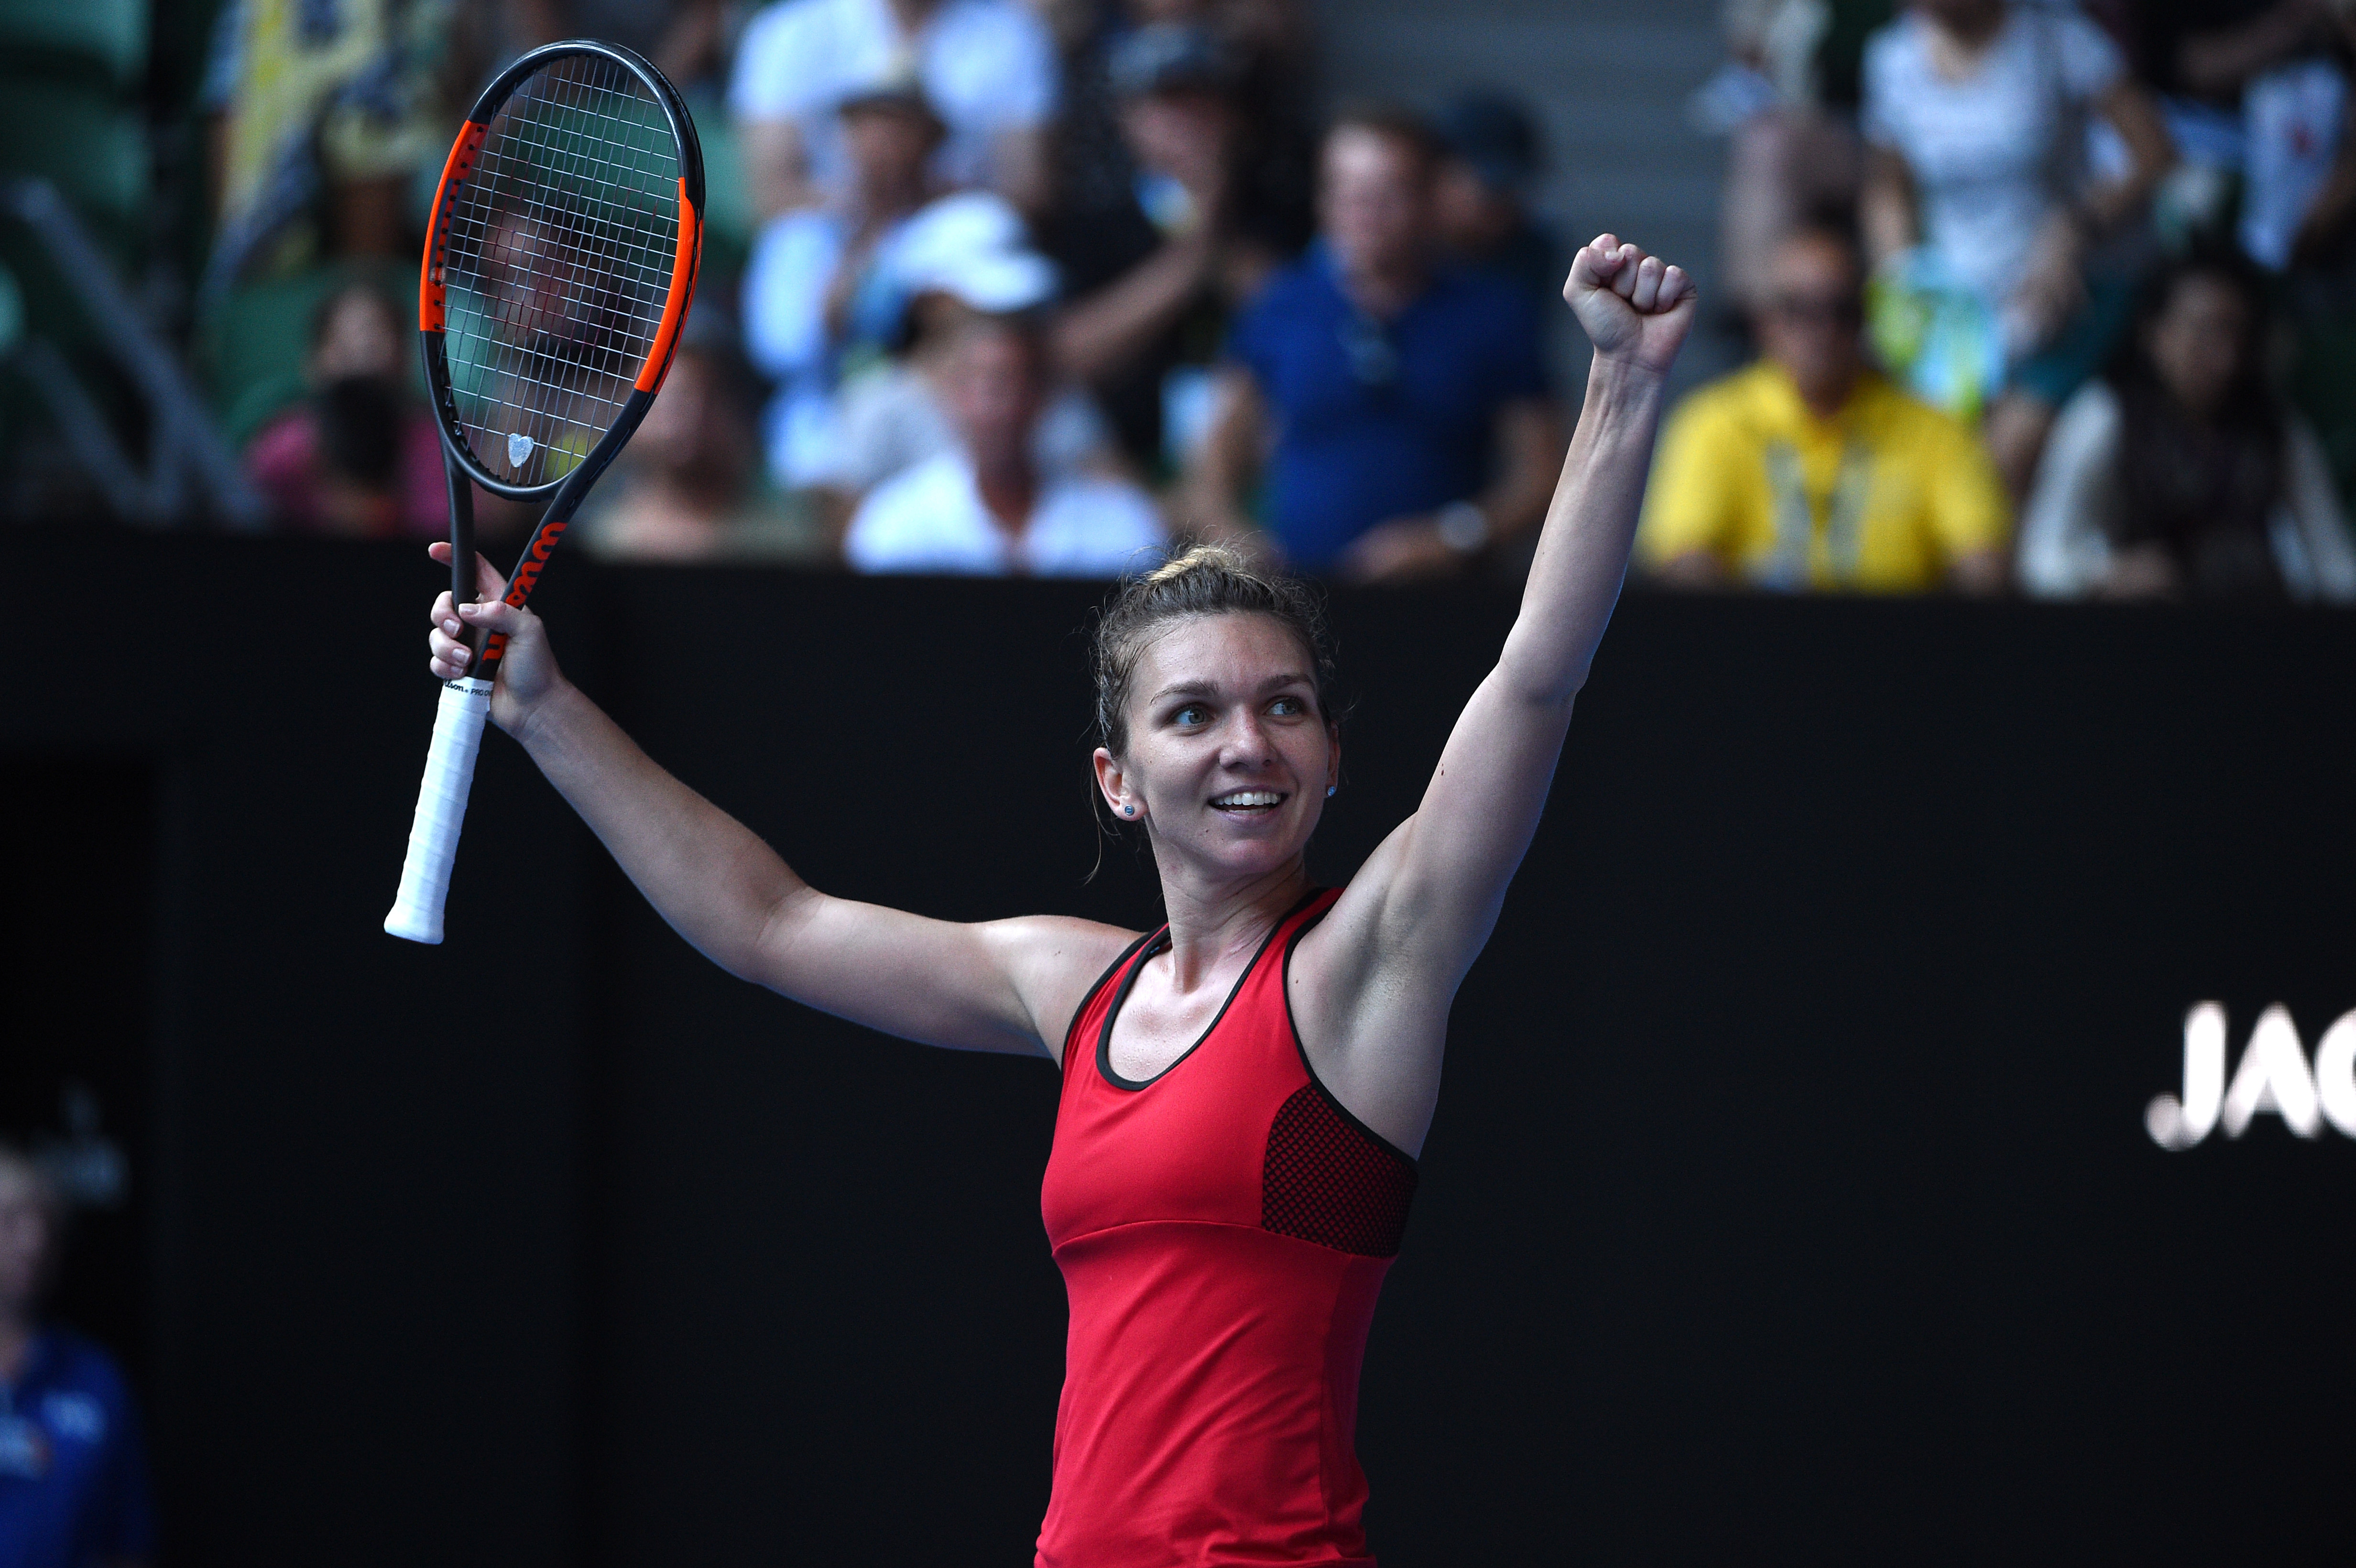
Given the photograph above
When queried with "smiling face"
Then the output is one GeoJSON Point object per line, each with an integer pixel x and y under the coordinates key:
{"type": "Point", "coordinates": [1227, 757]}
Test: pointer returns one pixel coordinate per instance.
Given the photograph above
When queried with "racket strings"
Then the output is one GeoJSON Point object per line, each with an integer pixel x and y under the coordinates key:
{"type": "Point", "coordinates": [559, 249]}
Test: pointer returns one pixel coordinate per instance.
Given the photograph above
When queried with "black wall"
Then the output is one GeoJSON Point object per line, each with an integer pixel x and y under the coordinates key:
{"type": "Point", "coordinates": [1789, 1197]}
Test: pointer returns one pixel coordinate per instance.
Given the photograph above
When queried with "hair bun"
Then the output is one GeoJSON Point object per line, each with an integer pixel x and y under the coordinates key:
{"type": "Point", "coordinates": [1199, 558]}
{"type": "Point", "coordinates": [1203, 578]}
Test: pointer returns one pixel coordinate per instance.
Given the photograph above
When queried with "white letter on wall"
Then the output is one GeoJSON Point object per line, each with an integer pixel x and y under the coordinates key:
{"type": "Point", "coordinates": [2273, 1077]}
{"type": "Point", "coordinates": [2335, 1073]}
{"type": "Point", "coordinates": [2181, 1124]}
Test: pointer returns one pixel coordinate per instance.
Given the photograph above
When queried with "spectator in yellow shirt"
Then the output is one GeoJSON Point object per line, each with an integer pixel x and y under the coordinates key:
{"type": "Point", "coordinates": [1811, 471]}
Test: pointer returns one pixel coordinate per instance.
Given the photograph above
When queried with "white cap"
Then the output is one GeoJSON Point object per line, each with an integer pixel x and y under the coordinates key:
{"type": "Point", "coordinates": [972, 247]}
{"type": "Point", "coordinates": [1001, 282]}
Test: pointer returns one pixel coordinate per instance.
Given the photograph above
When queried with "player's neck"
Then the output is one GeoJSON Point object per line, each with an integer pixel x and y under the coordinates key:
{"type": "Point", "coordinates": [1210, 924]}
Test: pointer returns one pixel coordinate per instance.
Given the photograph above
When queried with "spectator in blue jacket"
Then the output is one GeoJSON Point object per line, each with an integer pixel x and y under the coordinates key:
{"type": "Point", "coordinates": [1400, 405]}
{"type": "Point", "coordinates": [73, 1475]}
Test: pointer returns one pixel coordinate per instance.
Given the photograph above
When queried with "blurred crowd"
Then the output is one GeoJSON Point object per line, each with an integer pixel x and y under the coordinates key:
{"type": "Point", "coordinates": [2046, 294]}
{"type": "Point", "coordinates": [2038, 296]}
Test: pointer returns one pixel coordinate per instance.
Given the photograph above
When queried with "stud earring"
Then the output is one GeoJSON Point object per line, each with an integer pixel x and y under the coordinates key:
{"type": "Point", "coordinates": [1128, 811]}
{"type": "Point", "coordinates": [1330, 789]}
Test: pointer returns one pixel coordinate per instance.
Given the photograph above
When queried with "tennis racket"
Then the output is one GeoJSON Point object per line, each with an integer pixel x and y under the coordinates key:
{"type": "Point", "coordinates": [558, 267]}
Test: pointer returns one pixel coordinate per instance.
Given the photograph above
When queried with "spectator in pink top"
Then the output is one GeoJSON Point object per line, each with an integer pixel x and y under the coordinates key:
{"type": "Point", "coordinates": [356, 458]}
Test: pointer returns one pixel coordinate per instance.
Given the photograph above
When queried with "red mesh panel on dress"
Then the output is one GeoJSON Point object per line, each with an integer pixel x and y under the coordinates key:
{"type": "Point", "coordinates": [1328, 1182]}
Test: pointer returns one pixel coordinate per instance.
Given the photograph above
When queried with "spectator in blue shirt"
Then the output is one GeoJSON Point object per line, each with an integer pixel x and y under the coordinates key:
{"type": "Point", "coordinates": [73, 1477]}
{"type": "Point", "coordinates": [1400, 406]}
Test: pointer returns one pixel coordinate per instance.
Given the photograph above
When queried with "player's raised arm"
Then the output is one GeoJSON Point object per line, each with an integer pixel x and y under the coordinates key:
{"type": "Point", "coordinates": [1427, 900]}
{"type": "Point", "coordinates": [1007, 985]}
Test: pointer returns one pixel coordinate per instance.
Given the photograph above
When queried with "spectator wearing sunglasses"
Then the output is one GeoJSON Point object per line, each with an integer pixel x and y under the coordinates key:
{"type": "Point", "coordinates": [1809, 471]}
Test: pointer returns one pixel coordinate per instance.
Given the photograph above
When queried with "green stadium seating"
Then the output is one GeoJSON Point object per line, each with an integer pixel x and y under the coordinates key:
{"type": "Point", "coordinates": [103, 40]}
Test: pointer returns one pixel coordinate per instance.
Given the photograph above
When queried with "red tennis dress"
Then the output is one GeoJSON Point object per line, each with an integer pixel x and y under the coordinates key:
{"type": "Point", "coordinates": [1223, 1229]}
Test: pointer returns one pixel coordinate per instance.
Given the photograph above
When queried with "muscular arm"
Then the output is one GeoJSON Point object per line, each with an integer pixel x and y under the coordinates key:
{"type": "Point", "coordinates": [1007, 985]}
{"type": "Point", "coordinates": [1388, 959]}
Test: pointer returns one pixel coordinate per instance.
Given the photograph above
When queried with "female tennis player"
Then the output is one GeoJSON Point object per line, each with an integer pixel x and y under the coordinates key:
{"type": "Point", "coordinates": [1244, 1090]}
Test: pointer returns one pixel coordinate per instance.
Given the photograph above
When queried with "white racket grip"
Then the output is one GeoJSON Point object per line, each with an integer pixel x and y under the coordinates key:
{"type": "Point", "coordinates": [441, 809]}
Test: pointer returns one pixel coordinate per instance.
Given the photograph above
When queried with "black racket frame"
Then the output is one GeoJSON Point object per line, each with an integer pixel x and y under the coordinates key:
{"type": "Point", "coordinates": [461, 469]}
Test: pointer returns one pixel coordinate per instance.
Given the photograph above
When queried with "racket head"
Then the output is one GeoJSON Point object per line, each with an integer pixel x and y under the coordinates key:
{"type": "Point", "coordinates": [559, 261]}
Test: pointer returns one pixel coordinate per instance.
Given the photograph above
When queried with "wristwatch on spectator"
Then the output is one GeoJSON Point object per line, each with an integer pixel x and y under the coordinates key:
{"type": "Point", "coordinates": [1463, 527]}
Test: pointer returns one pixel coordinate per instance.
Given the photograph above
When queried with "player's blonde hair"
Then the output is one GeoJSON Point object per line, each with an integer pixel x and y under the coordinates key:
{"type": "Point", "coordinates": [1201, 580]}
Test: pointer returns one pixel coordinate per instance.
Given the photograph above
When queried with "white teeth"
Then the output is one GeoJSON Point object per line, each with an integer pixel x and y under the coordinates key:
{"type": "Point", "coordinates": [1249, 797]}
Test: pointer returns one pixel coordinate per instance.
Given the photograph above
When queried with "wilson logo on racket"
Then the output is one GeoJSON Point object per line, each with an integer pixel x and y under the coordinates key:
{"type": "Point", "coordinates": [566, 234]}
{"type": "Point", "coordinates": [527, 572]}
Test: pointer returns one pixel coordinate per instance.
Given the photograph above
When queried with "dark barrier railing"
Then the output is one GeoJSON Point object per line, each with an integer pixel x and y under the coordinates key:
{"type": "Point", "coordinates": [1791, 1194]}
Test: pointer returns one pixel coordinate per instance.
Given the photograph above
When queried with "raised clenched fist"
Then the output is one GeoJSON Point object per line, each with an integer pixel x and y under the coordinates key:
{"type": "Point", "coordinates": [1636, 308]}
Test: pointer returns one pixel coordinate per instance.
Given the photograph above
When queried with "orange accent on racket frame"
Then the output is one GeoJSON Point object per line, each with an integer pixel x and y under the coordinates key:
{"type": "Point", "coordinates": [682, 292]}
{"type": "Point", "coordinates": [460, 163]}
{"type": "Point", "coordinates": [527, 577]}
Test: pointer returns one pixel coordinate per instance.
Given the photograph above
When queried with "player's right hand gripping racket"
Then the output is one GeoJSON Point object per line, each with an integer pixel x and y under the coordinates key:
{"type": "Point", "coordinates": [558, 266]}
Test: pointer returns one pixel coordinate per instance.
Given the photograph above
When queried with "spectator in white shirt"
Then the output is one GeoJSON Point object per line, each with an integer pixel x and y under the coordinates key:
{"type": "Point", "coordinates": [2181, 475]}
{"type": "Point", "coordinates": [989, 508]}
{"type": "Point", "coordinates": [1975, 121]}
{"type": "Point", "coordinates": [822, 292]}
{"type": "Point", "coordinates": [962, 255]}
{"type": "Point", "coordinates": [987, 66]}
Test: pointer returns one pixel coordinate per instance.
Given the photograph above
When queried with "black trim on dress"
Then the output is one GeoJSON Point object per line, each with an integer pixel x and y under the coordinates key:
{"type": "Point", "coordinates": [1090, 994]}
{"type": "Point", "coordinates": [1284, 981]}
{"type": "Point", "coordinates": [1104, 1036]}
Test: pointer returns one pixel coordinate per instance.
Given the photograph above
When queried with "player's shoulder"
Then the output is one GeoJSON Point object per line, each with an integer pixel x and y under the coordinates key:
{"type": "Point", "coordinates": [1060, 963]}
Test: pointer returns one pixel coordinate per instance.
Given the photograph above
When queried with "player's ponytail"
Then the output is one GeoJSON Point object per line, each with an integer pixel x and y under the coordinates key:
{"type": "Point", "coordinates": [1201, 580]}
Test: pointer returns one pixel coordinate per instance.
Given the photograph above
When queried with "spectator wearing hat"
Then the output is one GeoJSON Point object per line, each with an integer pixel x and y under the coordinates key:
{"type": "Point", "coordinates": [987, 67]}
{"type": "Point", "coordinates": [1158, 259]}
{"type": "Point", "coordinates": [1482, 193]}
{"type": "Point", "coordinates": [1400, 404]}
{"type": "Point", "coordinates": [1809, 471]}
{"type": "Point", "coordinates": [989, 506]}
{"type": "Point", "coordinates": [966, 256]}
{"type": "Point", "coordinates": [821, 292]}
